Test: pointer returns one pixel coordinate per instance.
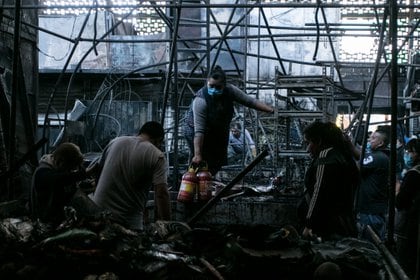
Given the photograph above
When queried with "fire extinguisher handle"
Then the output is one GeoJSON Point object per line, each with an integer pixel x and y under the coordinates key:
{"type": "Point", "coordinates": [203, 164]}
{"type": "Point", "coordinates": [194, 166]}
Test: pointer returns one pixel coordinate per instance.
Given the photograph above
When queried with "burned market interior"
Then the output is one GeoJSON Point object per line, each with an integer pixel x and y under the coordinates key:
{"type": "Point", "coordinates": [89, 71]}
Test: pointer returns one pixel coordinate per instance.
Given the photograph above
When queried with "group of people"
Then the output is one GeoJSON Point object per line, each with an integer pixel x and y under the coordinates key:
{"type": "Point", "coordinates": [344, 196]}
{"type": "Point", "coordinates": [362, 198]}
{"type": "Point", "coordinates": [131, 165]}
{"type": "Point", "coordinates": [337, 185]}
{"type": "Point", "coordinates": [128, 167]}
{"type": "Point", "coordinates": [372, 199]}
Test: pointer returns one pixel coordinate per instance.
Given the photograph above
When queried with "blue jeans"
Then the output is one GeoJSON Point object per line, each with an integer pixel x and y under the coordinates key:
{"type": "Point", "coordinates": [376, 222]}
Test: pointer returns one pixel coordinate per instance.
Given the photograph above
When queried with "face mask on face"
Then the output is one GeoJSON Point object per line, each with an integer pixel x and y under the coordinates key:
{"type": "Point", "coordinates": [408, 160]}
{"type": "Point", "coordinates": [213, 91]}
{"type": "Point", "coordinates": [368, 147]}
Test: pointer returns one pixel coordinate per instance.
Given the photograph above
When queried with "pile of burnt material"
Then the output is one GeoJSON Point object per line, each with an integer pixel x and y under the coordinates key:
{"type": "Point", "coordinates": [95, 248]}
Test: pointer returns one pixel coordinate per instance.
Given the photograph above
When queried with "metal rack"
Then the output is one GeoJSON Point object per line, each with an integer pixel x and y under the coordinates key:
{"type": "Point", "coordinates": [300, 100]}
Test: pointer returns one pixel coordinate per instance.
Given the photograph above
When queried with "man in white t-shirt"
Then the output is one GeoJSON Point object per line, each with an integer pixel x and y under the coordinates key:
{"type": "Point", "coordinates": [131, 165]}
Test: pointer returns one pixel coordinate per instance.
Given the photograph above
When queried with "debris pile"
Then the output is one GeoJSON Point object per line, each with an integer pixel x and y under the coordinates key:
{"type": "Point", "coordinates": [98, 249]}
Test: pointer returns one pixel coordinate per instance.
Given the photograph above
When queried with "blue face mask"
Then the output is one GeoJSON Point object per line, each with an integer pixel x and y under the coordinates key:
{"type": "Point", "coordinates": [368, 147]}
{"type": "Point", "coordinates": [214, 91]}
{"type": "Point", "coordinates": [408, 160]}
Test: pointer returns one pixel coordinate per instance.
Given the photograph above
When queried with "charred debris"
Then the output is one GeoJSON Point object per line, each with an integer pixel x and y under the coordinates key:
{"type": "Point", "coordinates": [87, 245]}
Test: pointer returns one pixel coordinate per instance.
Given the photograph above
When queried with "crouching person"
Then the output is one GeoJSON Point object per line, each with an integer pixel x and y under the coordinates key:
{"type": "Point", "coordinates": [131, 165]}
{"type": "Point", "coordinates": [54, 183]}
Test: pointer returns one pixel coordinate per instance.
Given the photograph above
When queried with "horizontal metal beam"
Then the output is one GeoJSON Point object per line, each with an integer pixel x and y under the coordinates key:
{"type": "Point", "coordinates": [293, 153]}
{"type": "Point", "coordinates": [301, 114]}
{"type": "Point", "coordinates": [213, 5]}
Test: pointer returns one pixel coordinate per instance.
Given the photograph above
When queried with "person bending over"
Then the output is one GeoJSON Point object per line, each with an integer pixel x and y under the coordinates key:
{"type": "Point", "coordinates": [131, 165]}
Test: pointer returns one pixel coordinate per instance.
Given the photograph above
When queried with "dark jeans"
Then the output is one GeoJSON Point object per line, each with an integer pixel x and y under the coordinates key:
{"type": "Point", "coordinates": [376, 222]}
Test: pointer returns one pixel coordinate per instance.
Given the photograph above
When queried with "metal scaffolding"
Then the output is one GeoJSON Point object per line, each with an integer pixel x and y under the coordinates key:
{"type": "Point", "coordinates": [246, 39]}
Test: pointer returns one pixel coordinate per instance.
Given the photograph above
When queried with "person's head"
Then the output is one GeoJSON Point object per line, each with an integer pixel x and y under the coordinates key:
{"type": "Point", "coordinates": [236, 129]}
{"type": "Point", "coordinates": [216, 81]}
{"type": "Point", "coordinates": [321, 135]}
{"type": "Point", "coordinates": [412, 152]}
{"type": "Point", "coordinates": [400, 142]}
{"type": "Point", "coordinates": [67, 156]}
{"type": "Point", "coordinates": [313, 138]}
{"type": "Point", "coordinates": [154, 131]}
{"type": "Point", "coordinates": [379, 140]}
{"type": "Point", "coordinates": [328, 271]}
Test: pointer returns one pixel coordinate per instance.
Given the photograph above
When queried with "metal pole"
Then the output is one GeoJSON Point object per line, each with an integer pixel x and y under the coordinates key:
{"type": "Point", "coordinates": [371, 90]}
{"type": "Point", "coordinates": [388, 256]}
{"type": "Point", "coordinates": [15, 88]}
{"type": "Point", "coordinates": [173, 62]}
{"type": "Point", "coordinates": [393, 26]}
{"type": "Point", "coordinates": [172, 58]}
{"type": "Point", "coordinates": [417, 277]}
{"type": "Point", "coordinates": [225, 41]}
{"type": "Point", "coordinates": [267, 25]}
{"type": "Point", "coordinates": [60, 77]}
{"type": "Point", "coordinates": [222, 6]}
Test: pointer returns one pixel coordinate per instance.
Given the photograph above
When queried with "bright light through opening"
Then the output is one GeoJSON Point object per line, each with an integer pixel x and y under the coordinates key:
{"type": "Point", "coordinates": [143, 19]}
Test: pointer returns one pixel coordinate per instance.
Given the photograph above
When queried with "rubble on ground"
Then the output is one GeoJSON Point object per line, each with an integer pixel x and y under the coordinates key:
{"type": "Point", "coordinates": [96, 248]}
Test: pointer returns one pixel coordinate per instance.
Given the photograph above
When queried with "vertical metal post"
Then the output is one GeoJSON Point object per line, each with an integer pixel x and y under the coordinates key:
{"type": "Point", "coordinates": [175, 92]}
{"type": "Point", "coordinates": [394, 96]}
{"type": "Point", "coordinates": [257, 142]}
{"type": "Point", "coordinates": [173, 63]}
{"type": "Point", "coordinates": [208, 43]}
{"type": "Point", "coordinates": [15, 87]}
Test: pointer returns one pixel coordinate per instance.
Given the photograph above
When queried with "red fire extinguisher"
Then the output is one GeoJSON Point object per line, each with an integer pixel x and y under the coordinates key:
{"type": "Point", "coordinates": [188, 187]}
{"type": "Point", "coordinates": [204, 183]}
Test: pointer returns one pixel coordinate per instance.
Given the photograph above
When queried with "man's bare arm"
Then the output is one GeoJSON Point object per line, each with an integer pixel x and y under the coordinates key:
{"type": "Point", "coordinates": [162, 202]}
